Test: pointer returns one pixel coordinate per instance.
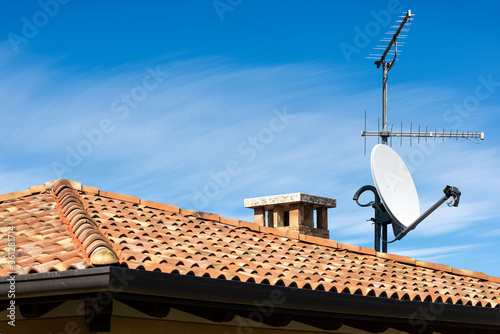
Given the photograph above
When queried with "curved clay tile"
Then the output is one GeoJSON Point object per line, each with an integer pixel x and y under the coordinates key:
{"type": "Point", "coordinates": [96, 245]}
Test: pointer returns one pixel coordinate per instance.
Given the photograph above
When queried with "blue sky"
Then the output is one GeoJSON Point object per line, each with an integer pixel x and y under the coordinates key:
{"type": "Point", "coordinates": [201, 104]}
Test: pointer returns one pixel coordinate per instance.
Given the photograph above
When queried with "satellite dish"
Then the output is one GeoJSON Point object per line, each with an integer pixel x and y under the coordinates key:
{"type": "Point", "coordinates": [396, 199]}
{"type": "Point", "coordinates": [394, 185]}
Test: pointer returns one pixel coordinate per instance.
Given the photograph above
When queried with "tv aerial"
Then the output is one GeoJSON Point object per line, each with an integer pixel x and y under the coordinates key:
{"type": "Point", "coordinates": [396, 200]}
{"type": "Point", "coordinates": [391, 50]}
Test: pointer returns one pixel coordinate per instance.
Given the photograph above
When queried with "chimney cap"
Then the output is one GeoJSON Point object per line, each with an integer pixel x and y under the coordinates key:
{"type": "Point", "coordinates": [317, 201]}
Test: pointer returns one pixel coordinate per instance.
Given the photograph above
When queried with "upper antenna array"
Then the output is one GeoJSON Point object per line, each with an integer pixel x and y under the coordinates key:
{"type": "Point", "coordinates": [391, 50]}
{"type": "Point", "coordinates": [392, 41]}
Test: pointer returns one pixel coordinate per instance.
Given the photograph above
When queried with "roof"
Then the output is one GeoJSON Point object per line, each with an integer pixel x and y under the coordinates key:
{"type": "Point", "coordinates": [64, 225]}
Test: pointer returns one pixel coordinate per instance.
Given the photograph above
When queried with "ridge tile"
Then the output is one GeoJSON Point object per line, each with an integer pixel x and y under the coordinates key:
{"type": "Point", "coordinates": [160, 206]}
{"type": "Point", "coordinates": [120, 197]}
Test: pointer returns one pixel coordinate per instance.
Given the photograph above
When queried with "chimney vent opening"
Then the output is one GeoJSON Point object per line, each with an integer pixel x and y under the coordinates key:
{"type": "Point", "coordinates": [299, 212]}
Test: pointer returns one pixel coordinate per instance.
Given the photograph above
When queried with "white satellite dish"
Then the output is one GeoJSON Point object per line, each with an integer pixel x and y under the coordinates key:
{"type": "Point", "coordinates": [394, 185]}
{"type": "Point", "coordinates": [396, 199]}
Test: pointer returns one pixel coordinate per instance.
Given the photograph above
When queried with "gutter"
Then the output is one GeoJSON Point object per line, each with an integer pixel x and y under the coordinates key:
{"type": "Point", "coordinates": [139, 285]}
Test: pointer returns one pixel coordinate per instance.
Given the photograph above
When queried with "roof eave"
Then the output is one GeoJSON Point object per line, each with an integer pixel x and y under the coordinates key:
{"type": "Point", "coordinates": [207, 292]}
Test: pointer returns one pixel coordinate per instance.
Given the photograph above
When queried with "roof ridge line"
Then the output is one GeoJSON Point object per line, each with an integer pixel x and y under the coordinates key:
{"type": "Point", "coordinates": [36, 190]}
{"type": "Point", "coordinates": [82, 227]}
{"type": "Point", "coordinates": [22, 193]}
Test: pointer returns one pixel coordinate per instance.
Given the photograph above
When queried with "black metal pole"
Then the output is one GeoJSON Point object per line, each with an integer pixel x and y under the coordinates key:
{"type": "Point", "coordinates": [377, 235]}
{"type": "Point", "coordinates": [384, 238]}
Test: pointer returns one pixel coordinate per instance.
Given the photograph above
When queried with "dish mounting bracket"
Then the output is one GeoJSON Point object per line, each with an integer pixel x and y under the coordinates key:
{"type": "Point", "coordinates": [382, 218]}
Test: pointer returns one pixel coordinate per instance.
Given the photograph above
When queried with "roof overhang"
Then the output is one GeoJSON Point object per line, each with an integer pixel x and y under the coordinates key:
{"type": "Point", "coordinates": [319, 307]}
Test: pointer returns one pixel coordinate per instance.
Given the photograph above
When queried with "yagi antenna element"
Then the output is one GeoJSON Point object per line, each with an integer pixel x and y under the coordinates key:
{"type": "Point", "coordinates": [391, 50]}
{"type": "Point", "coordinates": [386, 68]}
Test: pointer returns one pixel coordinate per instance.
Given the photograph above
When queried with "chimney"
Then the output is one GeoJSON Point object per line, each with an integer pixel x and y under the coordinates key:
{"type": "Point", "coordinates": [293, 212]}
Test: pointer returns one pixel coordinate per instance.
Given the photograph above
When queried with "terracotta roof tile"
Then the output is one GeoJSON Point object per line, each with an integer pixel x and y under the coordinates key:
{"type": "Point", "coordinates": [90, 190]}
{"type": "Point", "coordinates": [14, 195]}
{"type": "Point", "coordinates": [39, 240]}
{"type": "Point", "coordinates": [64, 225]}
{"type": "Point", "coordinates": [161, 206]}
{"type": "Point", "coordinates": [37, 189]}
{"type": "Point", "coordinates": [74, 184]}
{"type": "Point", "coordinates": [120, 197]}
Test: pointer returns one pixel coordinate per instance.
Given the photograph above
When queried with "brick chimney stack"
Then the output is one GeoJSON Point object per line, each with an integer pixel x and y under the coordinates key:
{"type": "Point", "coordinates": [294, 212]}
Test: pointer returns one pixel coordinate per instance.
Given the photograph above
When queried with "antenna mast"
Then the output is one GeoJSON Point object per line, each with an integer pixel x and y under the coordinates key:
{"type": "Point", "coordinates": [386, 67]}
{"type": "Point", "coordinates": [382, 218]}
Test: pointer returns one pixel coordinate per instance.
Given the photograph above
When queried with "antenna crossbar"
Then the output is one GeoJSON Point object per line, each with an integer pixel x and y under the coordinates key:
{"type": "Point", "coordinates": [430, 134]}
